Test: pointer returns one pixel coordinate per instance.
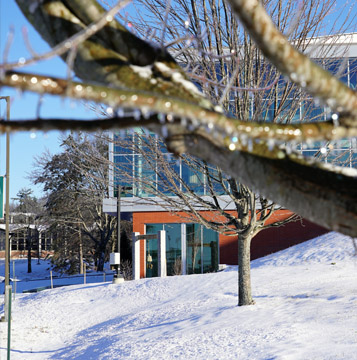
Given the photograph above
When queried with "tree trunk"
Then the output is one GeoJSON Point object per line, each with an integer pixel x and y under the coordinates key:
{"type": "Point", "coordinates": [244, 281]}
{"type": "Point", "coordinates": [101, 256]}
{"type": "Point", "coordinates": [39, 244]}
{"type": "Point", "coordinates": [29, 247]}
{"type": "Point", "coordinates": [81, 263]}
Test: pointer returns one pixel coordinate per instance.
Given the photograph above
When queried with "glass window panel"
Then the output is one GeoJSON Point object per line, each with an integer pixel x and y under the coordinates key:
{"type": "Point", "coordinates": [353, 73]}
{"type": "Point", "coordinates": [151, 251]}
{"type": "Point", "coordinates": [215, 182]}
{"type": "Point", "coordinates": [173, 248]}
{"type": "Point", "coordinates": [193, 249]}
{"type": "Point", "coordinates": [268, 114]}
{"type": "Point", "coordinates": [193, 178]}
{"type": "Point", "coordinates": [289, 111]}
{"type": "Point", "coordinates": [210, 250]}
{"type": "Point", "coordinates": [312, 111]}
{"type": "Point", "coordinates": [123, 142]}
{"type": "Point", "coordinates": [171, 168]}
{"type": "Point", "coordinates": [145, 177]}
{"type": "Point", "coordinates": [123, 174]}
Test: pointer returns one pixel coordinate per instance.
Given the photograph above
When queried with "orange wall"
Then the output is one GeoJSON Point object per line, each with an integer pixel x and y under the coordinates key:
{"type": "Point", "coordinates": [142, 218]}
{"type": "Point", "coordinates": [266, 242]}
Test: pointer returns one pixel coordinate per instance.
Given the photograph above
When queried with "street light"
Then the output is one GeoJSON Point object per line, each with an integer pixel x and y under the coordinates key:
{"type": "Point", "coordinates": [7, 208]}
{"type": "Point", "coordinates": [115, 257]}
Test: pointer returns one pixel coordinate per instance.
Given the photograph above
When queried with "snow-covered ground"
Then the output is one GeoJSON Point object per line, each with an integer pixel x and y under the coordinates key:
{"type": "Point", "coordinates": [306, 308]}
{"type": "Point", "coordinates": [41, 276]}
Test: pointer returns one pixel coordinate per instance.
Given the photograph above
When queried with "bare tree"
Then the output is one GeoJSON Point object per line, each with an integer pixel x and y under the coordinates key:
{"type": "Point", "coordinates": [200, 192]}
{"type": "Point", "coordinates": [75, 187]}
{"type": "Point", "coordinates": [233, 74]}
{"type": "Point", "coordinates": [133, 74]}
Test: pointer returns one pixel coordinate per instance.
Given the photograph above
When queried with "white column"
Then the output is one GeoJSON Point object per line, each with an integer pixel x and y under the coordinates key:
{"type": "Point", "coordinates": [136, 256]}
{"type": "Point", "coordinates": [183, 249]}
{"type": "Point", "coordinates": [143, 242]}
{"type": "Point", "coordinates": [161, 250]}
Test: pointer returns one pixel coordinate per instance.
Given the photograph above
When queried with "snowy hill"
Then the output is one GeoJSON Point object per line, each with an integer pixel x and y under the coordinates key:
{"type": "Point", "coordinates": [306, 309]}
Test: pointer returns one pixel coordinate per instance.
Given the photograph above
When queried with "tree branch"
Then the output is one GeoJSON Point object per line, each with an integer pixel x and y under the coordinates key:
{"type": "Point", "coordinates": [300, 69]}
{"type": "Point", "coordinates": [237, 132]}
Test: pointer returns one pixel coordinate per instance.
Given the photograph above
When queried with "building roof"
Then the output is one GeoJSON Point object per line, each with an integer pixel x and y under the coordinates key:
{"type": "Point", "coordinates": [332, 46]}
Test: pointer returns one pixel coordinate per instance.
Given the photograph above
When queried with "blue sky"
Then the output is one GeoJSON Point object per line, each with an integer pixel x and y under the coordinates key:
{"type": "Point", "coordinates": [26, 145]}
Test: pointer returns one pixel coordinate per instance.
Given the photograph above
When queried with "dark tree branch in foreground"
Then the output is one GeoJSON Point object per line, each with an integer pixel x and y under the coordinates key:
{"type": "Point", "coordinates": [154, 83]}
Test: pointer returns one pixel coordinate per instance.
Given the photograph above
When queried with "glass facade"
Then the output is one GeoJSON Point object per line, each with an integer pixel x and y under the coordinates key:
{"type": "Point", "coordinates": [142, 172]}
{"type": "Point", "coordinates": [139, 169]}
{"type": "Point", "coordinates": [201, 244]}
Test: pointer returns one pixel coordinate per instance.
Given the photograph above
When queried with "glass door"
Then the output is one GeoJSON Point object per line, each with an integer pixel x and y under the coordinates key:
{"type": "Point", "coordinates": [151, 251]}
{"type": "Point", "coordinates": [193, 248]}
{"type": "Point", "coordinates": [173, 249]}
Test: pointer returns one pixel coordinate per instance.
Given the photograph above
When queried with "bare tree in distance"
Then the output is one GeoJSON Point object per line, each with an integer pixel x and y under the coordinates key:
{"type": "Point", "coordinates": [75, 187]}
{"type": "Point", "coordinates": [135, 75]}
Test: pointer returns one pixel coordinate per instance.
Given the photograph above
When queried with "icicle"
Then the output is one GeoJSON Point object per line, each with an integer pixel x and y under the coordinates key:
{"type": "Point", "coordinates": [164, 131]}
{"type": "Point", "coordinates": [146, 113]}
{"type": "Point", "coordinates": [271, 144]}
{"type": "Point", "coordinates": [250, 145]}
{"type": "Point", "coordinates": [137, 114]}
{"type": "Point", "coordinates": [120, 113]}
{"type": "Point", "coordinates": [122, 134]}
{"type": "Point", "coordinates": [244, 139]}
{"type": "Point", "coordinates": [335, 119]}
{"type": "Point", "coordinates": [110, 111]}
{"type": "Point", "coordinates": [195, 123]}
{"type": "Point", "coordinates": [162, 118]}
{"type": "Point", "coordinates": [294, 77]}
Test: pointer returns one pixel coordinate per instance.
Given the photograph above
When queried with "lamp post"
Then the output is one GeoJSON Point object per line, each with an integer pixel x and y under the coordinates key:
{"type": "Point", "coordinates": [118, 221]}
{"type": "Point", "coordinates": [115, 257]}
{"type": "Point", "coordinates": [7, 207]}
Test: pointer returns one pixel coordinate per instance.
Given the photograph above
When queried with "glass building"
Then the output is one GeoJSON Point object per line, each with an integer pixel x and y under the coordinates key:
{"type": "Point", "coordinates": [191, 247]}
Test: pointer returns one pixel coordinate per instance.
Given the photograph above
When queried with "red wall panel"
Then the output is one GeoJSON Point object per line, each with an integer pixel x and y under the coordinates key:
{"type": "Point", "coordinates": [264, 243]}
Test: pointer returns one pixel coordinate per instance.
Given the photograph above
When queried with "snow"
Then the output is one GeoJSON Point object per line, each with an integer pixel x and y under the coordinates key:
{"type": "Point", "coordinates": [347, 171]}
{"type": "Point", "coordinates": [177, 77]}
{"type": "Point", "coordinates": [143, 71]}
{"type": "Point", "coordinates": [306, 308]}
{"type": "Point", "coordinates": [40, 276]}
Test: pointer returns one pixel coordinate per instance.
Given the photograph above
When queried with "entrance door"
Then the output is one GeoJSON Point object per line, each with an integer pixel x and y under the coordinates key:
{"type": "Point", "coordinates": [151, 251]}
{"type": "Point", "coordinates": [193, 249]}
